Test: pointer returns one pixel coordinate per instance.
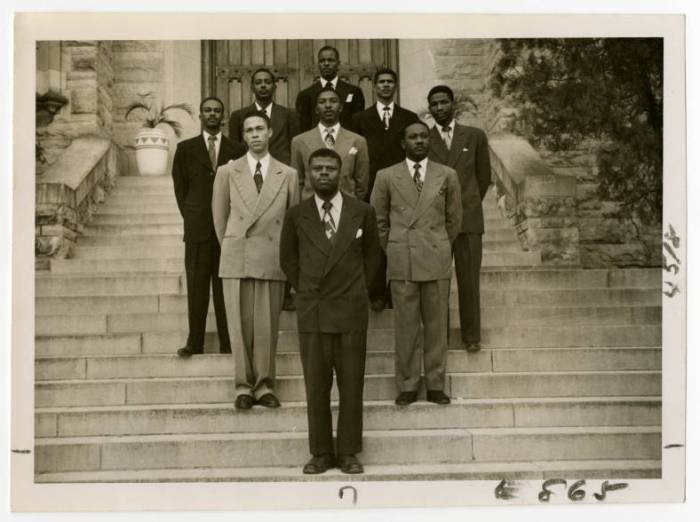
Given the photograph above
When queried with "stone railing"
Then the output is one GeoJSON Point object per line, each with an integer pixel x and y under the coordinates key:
{"type": "Point", "coordinates": [68, 192]}
{"type": "Point", "coordinates": [539, 204]}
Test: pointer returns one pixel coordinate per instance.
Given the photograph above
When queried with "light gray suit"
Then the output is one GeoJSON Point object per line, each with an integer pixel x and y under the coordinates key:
{"type": "Point", "coordinates": [416, 230]}
{"type": "Point", "coordinates": [249, 226]}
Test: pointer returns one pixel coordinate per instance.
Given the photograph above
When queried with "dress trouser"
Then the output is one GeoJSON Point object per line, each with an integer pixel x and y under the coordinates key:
{"type": "Point", "coordinates": [467, 254]}
{"type": "Point", "coordinates": [321, 353]}
{"type": "Point", "coordinates": [202, 273]}
{"type": "Point", "coordinates": [254, 307]}
{"type": "Point", "coordinates": [417, 302]}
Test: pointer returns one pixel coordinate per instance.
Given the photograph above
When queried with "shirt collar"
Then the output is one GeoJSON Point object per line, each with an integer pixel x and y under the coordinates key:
{"type": "Point", "coordinates": [333, 82]}
{"type": "Point", "coordinates": [380, 108]}
{"type": "Point", "coordinates": [252, 162]}
{"type": "Point", "coordinates": [336, 201]}
{"type": "Point", "coordinates": [451, 125]}
{"type": "Point", "coordinates": [423, 166]}
{"type": "Point", "coordinates": [206, 135]}
{"type": "Point", "coordinates": [267, 110]}
{"type": "Point", "coordinates": [322, 128]}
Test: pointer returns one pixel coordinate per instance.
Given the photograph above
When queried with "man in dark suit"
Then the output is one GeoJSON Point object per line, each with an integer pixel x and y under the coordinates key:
{"type": "Point", "coordinates": [381, 125]}
{"type": "Point", "coordinates": [329, 251]}
{"type": "Point", "coordinates": [466, 150]}
{"type": "Point", "coordinates": [194, 167]}
{"type": "Point", "coordinates": [350, 95]}
{"type": "Point", "coordinates": [285, 124]}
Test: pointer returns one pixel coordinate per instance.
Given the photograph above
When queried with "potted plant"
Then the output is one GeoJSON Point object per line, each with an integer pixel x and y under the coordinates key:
{"type": "Point", "coordinates": [152, 144]}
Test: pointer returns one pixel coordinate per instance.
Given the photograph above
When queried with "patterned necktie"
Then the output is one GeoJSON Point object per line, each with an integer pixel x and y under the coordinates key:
{"type": "Point", "coordinates": [329, 139]}
{"type": "Point", "coordinates": [416, 177]}
{"type": "Point", "coordinates": [327, 219]}
{"type": "Point", "coordinates": [447, 134]}
{"type": "Point", "coordinates": [212, 151]}
{"type": "Point", "coordinates": [257, 177]}
{"type": "Point", "coordinates": [386, 117]}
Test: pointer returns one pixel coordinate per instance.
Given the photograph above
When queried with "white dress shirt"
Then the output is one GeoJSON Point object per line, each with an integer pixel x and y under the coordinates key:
{"type": "Point", "coordinates": [333, 82]}
{"type": "Point", "coordinates": [451, 126]}
{"type": "Point", "coordinates": [336, 129]}
{"type": "Point", "coordinates": [423, 167]}
{"type": "Point", "coordinates": [217, 143]}
{"type": "Point", "coordinates": [253, 161]}
{"type": "Point", "coordinates": [336, 208]}
{"type": "Point", "coordinates": [267, 110]}
{"type": "Point", "coordinates": [380, 110]}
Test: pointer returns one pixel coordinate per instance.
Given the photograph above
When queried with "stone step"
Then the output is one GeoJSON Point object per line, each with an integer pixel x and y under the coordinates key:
{"type": "Point", "coordinates": [145, 190]}
{"type": "Point", "coordinates": [379, 362]}
{"type": "Point", "coordinates": [224, 418]}
{"type": "Point", "coordinates": [143, 200]}
{"type": "Point", "coordinates": [379, 447]}
{"type": "Point", "coordinates": [110, 208]}
{"type": "Point", "coordinates": [132, 230]}
{"type": "Point", "coordinates": [144, 181]}
{"type": "Point", "coordinates": [108, 285]}
{"type": "Point", "coordinates": [187, 390]}
{"type": "Point", "coordinates": [87, 305]}
{"type": "Point", "coordinates": [49, 325]}
{"type": "Point", "coordinates": [536, 470]}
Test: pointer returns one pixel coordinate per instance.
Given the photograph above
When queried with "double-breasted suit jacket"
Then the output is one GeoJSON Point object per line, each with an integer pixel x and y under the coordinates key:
{"type": "Point", "coordinates": [384, 145]}
{"type": "Point", "coordinates": [283, 122]}
{"type": "Point", "coordinates": [469, 157]}
{"type": "Point", "coordinates": [249, 224]}
{"type": "Point", "coordinates": [416, 229]}
{"type": "Point", "coordinates": [193, 178]}
{"type": "Point", "coordinates": [330, 278]}
{"type": "Point", "coordinates": [350, 96]}
{"type": "Point", "coordinates": [352, 148]}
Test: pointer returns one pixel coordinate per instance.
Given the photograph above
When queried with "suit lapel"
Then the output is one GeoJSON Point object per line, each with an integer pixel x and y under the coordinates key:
{"type": "Point", "coordinates": [313, 227]}
{"type": "Point", "coordinates": [243, 179]}
{"type": "Point", "coordinates": [225, 151]}
{"type": "Point", "coordinates": [202, 152]}
{"type": "Point", "coordinates": [438, 147]}
{"type": "Point", "coordinates": [431, 187]}
{"type": "Point", "coordinates": [459, 140]}
{"type": "Point", "coordinates": [347, 228]}
{"type": "Point", "coordinates": [404, 183]}
{"type": "Point", "coordinates": [343, 142]}
{"type": "Point", "coordinates": [314, 140]}
{"type": "Point", "coordinates": [271, 186]}
{"type": "Point", "coordinates": [276, 119]}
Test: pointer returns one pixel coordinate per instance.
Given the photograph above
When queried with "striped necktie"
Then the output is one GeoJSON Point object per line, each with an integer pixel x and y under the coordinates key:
{"type": "Point", "coordinates": [327, 219]}
{"type": "Point", "coordinates": [416, 177]}
{"type": "Point", "coordinates": [257, 177]}
{"type": "Point", "coordinates": [212, 151]}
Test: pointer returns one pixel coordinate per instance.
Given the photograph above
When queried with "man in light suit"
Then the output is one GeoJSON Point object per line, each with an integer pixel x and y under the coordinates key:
{"type": "Point", "coordinates": [251, 196]}
{"type": "Point", "coordinates": [329, 252]}
{"type": "Point", "coordinates": [351, 147]}
{"type": "Point", "coordinates": [285, 124]}
{"type": "Point", "coordinates": [466, 150]}
{"type": "Point", "coordinates": [381, 125]}
{"type": "Point", "coordinates": [350, 95]}
{"type": "Point", "coordinates": [419, 213]}
{"type": "Point", "coordinates": [194, 165]}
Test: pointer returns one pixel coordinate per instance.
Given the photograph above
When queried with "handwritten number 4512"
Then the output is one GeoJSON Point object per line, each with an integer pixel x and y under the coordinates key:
{"type": "Point", "coordinates": [575, 492]}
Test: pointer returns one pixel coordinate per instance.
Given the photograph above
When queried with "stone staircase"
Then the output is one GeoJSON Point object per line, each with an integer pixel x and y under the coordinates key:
{"type": "Point", "coordinates": [568, 382]}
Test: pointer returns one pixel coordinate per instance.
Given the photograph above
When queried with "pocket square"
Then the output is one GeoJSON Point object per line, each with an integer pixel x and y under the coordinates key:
{"type": "Point", "coordinates": [465, 149]}
{"type": "Point", "coordinates": [359, 233]}
{"type": "Point", "coordinates": [349, 98]}
{"type": "Point", "coordinates": [352, 150]}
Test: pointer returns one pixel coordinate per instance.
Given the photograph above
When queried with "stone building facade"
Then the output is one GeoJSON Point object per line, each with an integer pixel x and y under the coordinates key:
{"type": "Point", "coordinates": [84, 142]}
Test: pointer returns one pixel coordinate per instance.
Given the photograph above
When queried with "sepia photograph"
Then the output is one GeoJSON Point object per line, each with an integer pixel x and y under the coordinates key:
{"type": "Point", "coordinates": [413, 257]}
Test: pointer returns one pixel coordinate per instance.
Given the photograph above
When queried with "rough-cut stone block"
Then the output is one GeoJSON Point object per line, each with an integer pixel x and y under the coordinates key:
{"type": "Point", "coordinates": [67, 457]}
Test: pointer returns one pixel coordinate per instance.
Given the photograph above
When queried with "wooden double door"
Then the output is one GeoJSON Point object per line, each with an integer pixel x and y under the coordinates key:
{"type": "Point", "coordinates": [228, 66]}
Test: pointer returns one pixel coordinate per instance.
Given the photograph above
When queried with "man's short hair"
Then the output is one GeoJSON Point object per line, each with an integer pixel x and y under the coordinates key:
{"type": "Point", "coordinates": [329, 48]}
{"type": "Point", "coordinates": [256, 113]}
{"type": "Point", "coordinates": [265, 70]}
{"type": "Point", "coordinates": [384, 70]}
{"type": "Point", "coordinates": [327, 88]}
{"type": "Point", "coordinates": [201, 104]}
{"type": "Point", "coordinates": [326, 153]}
{"type": "Point", "coordinates": [441, 88]}
{"type": "Point", "coordinates": [418, 122]}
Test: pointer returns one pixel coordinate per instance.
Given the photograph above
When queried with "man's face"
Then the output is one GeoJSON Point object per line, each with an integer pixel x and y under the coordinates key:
{"type": "Point", "coordinates": [441, 107]}
{"type": "Point", "coordinates": [415, 141]}
{"type": "Point", "coordinates": [385, 87]}
{"type": "Point", "coordinates": [256, 134]}
{"type": "Point", "coordinates": [328, 108]}
{"type": "Point", "coordinates": [263, 86]}
{"type": "Point", "coordinates": [328, 64]}
{"type": "Point", "coordinates": [211, 116]}
{"type": "Point", "coordinates": [324, 176]}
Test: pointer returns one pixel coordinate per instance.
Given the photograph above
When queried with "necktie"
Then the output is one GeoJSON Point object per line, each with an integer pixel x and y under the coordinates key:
{"type": "Point", "coordinates": [416, 177]}
{"type": "Point", "coordinates": [386, 117]}
{"type": "Point", "coordinates": [447, 134]}
{"type": "Point", "coordinates": [212, 151]}
{"type": "Point", "coordinates": [257, 177]}
{"type": "Point", "coordinates": [329, 139]}
{"type": "Point", "coordinates": [327, 218]}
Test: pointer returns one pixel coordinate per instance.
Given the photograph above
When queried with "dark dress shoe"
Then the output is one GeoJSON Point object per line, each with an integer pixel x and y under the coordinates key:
{"type": "Point", "coordinates": [188, 352]}
{"type": "Point", "coordinates": [269, 401]}
{"type": "Point", "coordinates": [406, 398]}
{"type": "Point", "coordinates": [438, 397]}
{"type": "Point", "coordinates": [377, 305]}
{"type": "Point", "coordinates": [350, 464]}
{"type": "Point", "coordinates": [472, 347]}
{"type": "Point", "coordinates": [319, 464]}
{"type": "Point", "coordinates": [289, 305]}
{"type": "Point", "coordinates": [244, 402]}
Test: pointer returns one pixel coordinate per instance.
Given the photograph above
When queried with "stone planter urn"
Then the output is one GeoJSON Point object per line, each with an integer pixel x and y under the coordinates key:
{"type": "Point", "coordinates": [152, 146]}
